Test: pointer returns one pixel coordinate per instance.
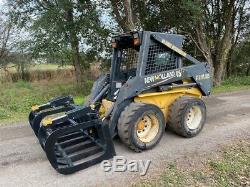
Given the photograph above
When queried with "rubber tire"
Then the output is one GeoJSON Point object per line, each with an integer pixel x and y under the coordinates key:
{"type": "Point", "coordinates": [128, 120]}
{"type": "Point", "coordinates": [177, 113]}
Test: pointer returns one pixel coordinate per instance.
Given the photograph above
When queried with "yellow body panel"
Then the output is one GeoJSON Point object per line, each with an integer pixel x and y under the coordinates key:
{"type": "Point", "coordinates": [105, 106]}
{"type": "Point", "coordinates": [35, 107]}
{"type": "Point", "coordinates": [164, 99]}
{"type": "Point", "coordinates": [47, 121]}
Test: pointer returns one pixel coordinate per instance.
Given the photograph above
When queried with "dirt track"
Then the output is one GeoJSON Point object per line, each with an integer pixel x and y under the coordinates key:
{"type": "Point", "coordinates": [23, 163]}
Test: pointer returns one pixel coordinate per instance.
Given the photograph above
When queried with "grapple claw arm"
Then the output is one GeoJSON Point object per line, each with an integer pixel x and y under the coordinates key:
{"type": "Point", "coordinates": [54, 106]}
{"type": "Point", "coordinates": [59, 101]}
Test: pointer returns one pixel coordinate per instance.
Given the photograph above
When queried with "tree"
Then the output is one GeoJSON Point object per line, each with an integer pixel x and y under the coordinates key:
{"type": "Point", "coordinates": [5, 32]}
{"type": "Point", "coordinates": [123, 14]}
{"type": "Point", "coordinates": [61, 25]}
{"type": "Point", "coordinates": [214, 25]}
{"type": "Point", "coordinates": [241, 57]}
{"type": "Point", "coordinates": [217, 30]}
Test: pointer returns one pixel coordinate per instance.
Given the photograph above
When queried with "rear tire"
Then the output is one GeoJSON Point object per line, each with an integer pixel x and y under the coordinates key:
{"type": "Point", "coordinates": [141, 126]}
{"type": "Point", "coordinates": [187, 116]}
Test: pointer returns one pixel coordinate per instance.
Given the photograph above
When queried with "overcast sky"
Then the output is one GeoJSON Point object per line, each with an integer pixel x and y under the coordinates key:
{"type": "Point", "coordinates": [2, 1]}
{"type": "Point", "coordinates": [1, 4]}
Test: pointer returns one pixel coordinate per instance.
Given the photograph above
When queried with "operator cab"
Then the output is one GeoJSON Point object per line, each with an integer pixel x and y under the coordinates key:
{"type": "Point", "coordinates": [134, 54]}
{"type": "Point", "coordinates": [126, 52]}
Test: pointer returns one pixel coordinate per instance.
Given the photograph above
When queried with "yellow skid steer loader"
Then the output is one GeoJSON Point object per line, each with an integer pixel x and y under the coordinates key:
{"type": "Point", "coordinates": [148, 87]}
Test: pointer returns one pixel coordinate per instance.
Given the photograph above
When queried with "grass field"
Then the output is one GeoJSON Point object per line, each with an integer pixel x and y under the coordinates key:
{"type": "Point", "coordinates": [36, 72]}
{"type": "Point", "coordinates": [49, 67]}
{"type": "Point", "coordinates": [41, 67]}
{"type": "Point", "coordinates": [17, 98]}
{"type": "Point", "coordinates": [228, 167]}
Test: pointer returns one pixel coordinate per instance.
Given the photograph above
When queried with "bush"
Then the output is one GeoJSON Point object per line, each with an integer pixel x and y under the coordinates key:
{"type": "Point", "coordinates": [233, 84]}
{"type": "Point", "coordinates": [244, 81]}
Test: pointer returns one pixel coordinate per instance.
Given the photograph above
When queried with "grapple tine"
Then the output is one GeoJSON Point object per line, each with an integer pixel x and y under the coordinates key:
{"type": "Point", "coordinates": [54, 106]}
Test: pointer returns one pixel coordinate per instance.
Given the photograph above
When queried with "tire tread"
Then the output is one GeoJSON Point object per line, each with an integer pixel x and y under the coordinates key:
{"type": "Point", "coordinates": [175, 115]}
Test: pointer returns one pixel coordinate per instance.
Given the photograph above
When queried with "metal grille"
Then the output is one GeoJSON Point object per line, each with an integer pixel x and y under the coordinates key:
{"type": "Point", "coordinates": [160, 59]}
{"type": "Point", "coordinates": [129, 59]}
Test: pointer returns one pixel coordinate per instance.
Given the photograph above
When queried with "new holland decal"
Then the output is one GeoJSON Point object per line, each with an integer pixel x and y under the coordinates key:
{"type": "Point", "coordinates": [163, 76]}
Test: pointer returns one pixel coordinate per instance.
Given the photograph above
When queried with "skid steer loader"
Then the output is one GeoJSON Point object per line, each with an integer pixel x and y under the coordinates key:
{"type": "Point", "coordinates": [152, 82]}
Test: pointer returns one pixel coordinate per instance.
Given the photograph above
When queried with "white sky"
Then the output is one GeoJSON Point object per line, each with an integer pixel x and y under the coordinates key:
{"type": "Point", "coordinates": [2, 2]}
{"type": "Point", "coordinates": [1, 5]}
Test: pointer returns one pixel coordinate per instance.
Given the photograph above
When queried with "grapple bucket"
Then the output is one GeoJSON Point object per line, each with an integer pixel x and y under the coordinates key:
{"type": "Point", "coordinates": [76, 140]}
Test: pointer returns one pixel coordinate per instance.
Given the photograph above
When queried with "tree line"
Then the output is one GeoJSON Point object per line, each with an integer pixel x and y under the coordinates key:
{"type": "Point", "coordinates": [79, 31]}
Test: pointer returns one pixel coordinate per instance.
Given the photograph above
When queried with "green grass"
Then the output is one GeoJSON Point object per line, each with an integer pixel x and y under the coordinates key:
{"type": "Point", "coordinates": [79, 100]}
{"type": "Point", "coordinates": [17, 98]}
{"type": "Point", "coordinates": [231, 167]}
{"type": "Point", "coordinates": [233, 84]}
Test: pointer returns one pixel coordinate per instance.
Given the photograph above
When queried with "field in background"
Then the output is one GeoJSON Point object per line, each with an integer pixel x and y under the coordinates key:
{"type": "Point", "coordinates": [49, 67]}
{"type": "Point", "coordinates": [36, 72]}
{"type": "Point", "coordinates": [12, 68]}
{"type": "Point", "coordinates": [40, 72]}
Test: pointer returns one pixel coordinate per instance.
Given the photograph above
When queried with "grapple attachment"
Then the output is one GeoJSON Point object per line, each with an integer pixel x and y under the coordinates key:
{"type": "Point", "coordinates": [76, 140]}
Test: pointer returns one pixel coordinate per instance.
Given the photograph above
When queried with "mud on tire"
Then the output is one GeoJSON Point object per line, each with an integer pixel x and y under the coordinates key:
{"type": "Point", "coordinates": [128, 123]}
{"type": "Point", "coordinates": [182, 121]}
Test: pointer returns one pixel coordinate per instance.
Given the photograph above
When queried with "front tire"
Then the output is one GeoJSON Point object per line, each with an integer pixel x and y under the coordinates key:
{"type": "Point", "coordinates": [187, 116]}
{"type": "Point", "coordinates": [141, 126]}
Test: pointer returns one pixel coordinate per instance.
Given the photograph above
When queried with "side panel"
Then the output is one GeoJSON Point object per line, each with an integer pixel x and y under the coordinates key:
{"type": "Point", "coordinates": [164, 99]}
